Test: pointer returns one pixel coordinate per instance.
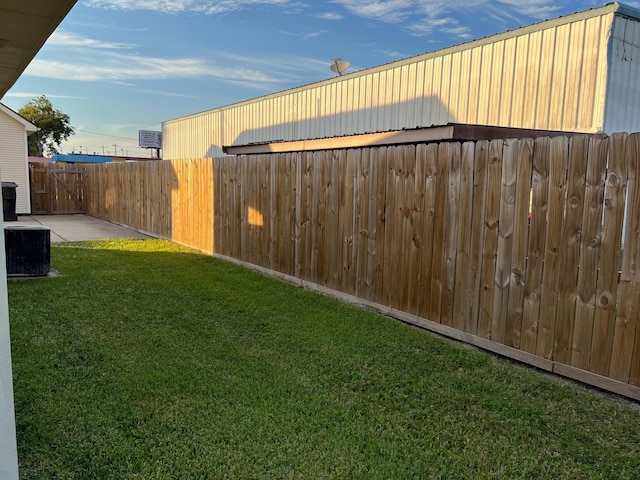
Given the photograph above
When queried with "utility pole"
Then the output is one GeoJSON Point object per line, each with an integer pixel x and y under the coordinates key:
{"type": "Point", "coordinates": [115, 150]}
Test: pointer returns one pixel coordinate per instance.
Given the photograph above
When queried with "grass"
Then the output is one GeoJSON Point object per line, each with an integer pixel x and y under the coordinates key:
{"type": "Point", "coordinates": [146, 360]}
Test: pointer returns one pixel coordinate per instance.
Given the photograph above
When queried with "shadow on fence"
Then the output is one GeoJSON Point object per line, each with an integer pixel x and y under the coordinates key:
{"type": "Point", "coordinates": [511, 245]}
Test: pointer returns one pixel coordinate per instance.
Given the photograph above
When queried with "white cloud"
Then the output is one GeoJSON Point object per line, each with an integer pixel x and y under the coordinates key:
{"type": "Point", "coordinates": [163, 93]}
{"type": "Point", "coordinates": [35, 95]}
{"type": "Point", "coordinates": [450, 26]}
{"type": "Point", "coordinates": [428, 25]}
{"type": "Point", "coordinates": [303, 35]}
{"type": "Point", "coordinates": [68, 39]}
{"type": "Point", "coordinates": [206, 7]}
{"type": "Point", "coordinates": [459, 31]}
{"type": "Point", "coordinates": [389, 11]}
{"type": "Point", "coordinates": [437, 16]}
{"type": "Point", "coordinates": [538, 9]}
{"type": "Point", "coordinates": [394, 54]}
{"type": "Point", "coordinates": [330, 16]}
{"type": "Point", "coordinates": [93, 61]}
{"type": "Point", "coordinates": [116, 67]}
{"type": "Point", "coordinates": [98, 60]}
{"type": "Point", "coordinates": [419, 17]}
{"type": "Point", "coordinates": [287, 68]}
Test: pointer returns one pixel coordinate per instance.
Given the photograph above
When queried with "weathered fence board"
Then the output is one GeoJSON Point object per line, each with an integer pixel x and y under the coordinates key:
{"type": "Point", "coordinates": [451, 234]}
{"type": "Point", "coordinates": [428, 154]}
{"type": "Point", "coordinates": [609, 265]}
{"type": "Point", "coordinates": [552, 258]}
{"type": "Point", "coordinates": [490, 240]}
{"type": "Point", "coordinates": [477, 219]}
{"type": "Point", "coordinates": [537, 232]}
{"type": "Point", "coordinates": [463, 271]}
{"type": "Point", "coordinates": [505, 242]}
{"type": "Point", "coordinates": [438, 261]}
{"type": "Point", "coordinates": [590, 239]}
{"type": "Point", "coordinates": [513, 330]}
{"type": "Point", "coordinates": [570, 248]}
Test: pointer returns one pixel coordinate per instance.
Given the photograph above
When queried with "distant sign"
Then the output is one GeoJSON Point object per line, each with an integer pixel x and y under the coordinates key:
{"type": "Point", "coordinates": [149, 139]}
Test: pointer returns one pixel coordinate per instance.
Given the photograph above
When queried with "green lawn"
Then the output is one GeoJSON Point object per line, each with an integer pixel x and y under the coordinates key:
{"type": "Point", "coordinates": [146, 360]}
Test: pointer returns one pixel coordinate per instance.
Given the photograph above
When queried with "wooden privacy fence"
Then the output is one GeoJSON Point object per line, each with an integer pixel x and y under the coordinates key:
{"type": "Point", "coordinates": [57, 188]}
{"type": "Point", "coordinates": [514, 246]}
{"type": "Point", "coordinates": [168, 199]}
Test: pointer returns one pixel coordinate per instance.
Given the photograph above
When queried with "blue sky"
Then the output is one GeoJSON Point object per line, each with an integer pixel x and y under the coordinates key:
{"type": "Point", "coordinates": [119, 66]}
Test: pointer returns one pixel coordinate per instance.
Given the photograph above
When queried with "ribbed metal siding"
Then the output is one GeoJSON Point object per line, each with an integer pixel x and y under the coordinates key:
{"type": "Point", "coordinates": [623, 95]}
{"type": "Point", "coordinates": [553, 77]}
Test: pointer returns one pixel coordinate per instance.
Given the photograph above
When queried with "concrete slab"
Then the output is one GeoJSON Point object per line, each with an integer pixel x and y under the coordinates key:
{"type": "Point", "coordinates": [73, 228]}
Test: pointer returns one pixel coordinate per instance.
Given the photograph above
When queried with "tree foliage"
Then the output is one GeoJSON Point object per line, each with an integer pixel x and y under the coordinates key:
{"type": "Point", "coordinates": [54, 126]}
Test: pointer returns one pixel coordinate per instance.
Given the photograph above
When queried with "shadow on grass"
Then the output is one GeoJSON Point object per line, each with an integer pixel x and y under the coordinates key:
{"type": "Point", "coordinates": [147, 360]}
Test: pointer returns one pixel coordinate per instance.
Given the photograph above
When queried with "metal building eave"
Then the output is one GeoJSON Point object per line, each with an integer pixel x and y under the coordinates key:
{"type": "Point", "coordinates": [443, 133]}
{"type": "Point", "coordinates": [627, 11]}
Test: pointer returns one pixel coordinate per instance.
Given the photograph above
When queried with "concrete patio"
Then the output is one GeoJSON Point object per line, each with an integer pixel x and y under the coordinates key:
{"type": "Point", "coordinates": [72, 228]}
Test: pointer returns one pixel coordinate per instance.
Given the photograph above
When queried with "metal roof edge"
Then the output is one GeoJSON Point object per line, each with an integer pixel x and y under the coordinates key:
{"type": "Point", "coordinates": [609, 8]}
{"type": "Point", "coordinates": [627, 11]}
{"type": "Point", "coordinates": [458, 132]}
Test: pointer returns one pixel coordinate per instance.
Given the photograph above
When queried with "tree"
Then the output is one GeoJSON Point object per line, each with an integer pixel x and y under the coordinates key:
{"type": "Point", "coordinates": [54, 126]}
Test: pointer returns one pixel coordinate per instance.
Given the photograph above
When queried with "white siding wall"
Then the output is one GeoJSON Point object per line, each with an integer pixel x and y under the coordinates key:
{"type": "Point", "coordinates": [13, 160]}
{"type": "Point", "coordinates": [623, 93]}
{"type": "Point", "coordinates": [549, 76]}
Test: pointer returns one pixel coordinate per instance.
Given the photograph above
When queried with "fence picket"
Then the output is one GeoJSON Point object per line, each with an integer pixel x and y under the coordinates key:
{"type": "Point", "coordinates": [608, 268]}
{"type": "Point", "coordinates": [551, 272]}
{"type": "Point", "coordinates": [570, 248]}
{"type": "Point", "coordinates": [348, 236]}
{"type": "Point", "coordinates": [590, 247]}
{"type": "Point", "coordinates": [463, 295]}
{"type": "Point", "coordinates": [428, 154]}
{"type": "Point", "coordinates": [380, 232]}
{"type": "Point", "coordinates": [438, 265]}
{"type": "Point", "coordinates": [415, 196]}
{"type": "Point", "coordinates": [490, 240]}
{"type": "Point", "coordinates": [505, 242]}
{"type": "Point", "coordinates": [537, 232]}
{"type": "Point", "coordinates": [478, 220]}
{"type": "Point", "coordinates": [451, 234]}
{"type": "Point", "coordinates": [513, 327]}
{"type": "Point", "coordinates": [392, 242]}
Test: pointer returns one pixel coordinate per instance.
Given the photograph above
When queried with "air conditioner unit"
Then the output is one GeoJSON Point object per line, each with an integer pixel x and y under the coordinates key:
{"type": "Point", "coordinates": [28, 250]}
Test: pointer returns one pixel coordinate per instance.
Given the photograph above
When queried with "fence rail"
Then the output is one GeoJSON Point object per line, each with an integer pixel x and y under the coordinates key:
{"type": "Point", "coordinates": [513, 245]}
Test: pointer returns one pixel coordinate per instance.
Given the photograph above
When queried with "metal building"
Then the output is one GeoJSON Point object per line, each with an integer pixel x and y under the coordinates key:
{"type": "Point", "coordinates": [576, 73]}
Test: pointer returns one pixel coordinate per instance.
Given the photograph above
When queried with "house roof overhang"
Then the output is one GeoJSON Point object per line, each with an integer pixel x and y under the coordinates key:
{"type": "Point", "coordinates": [450, 132]}
{"type": "Point", "coordinates": [25, 26]}
{"type": "Point", "coordinates": [28, 126]}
